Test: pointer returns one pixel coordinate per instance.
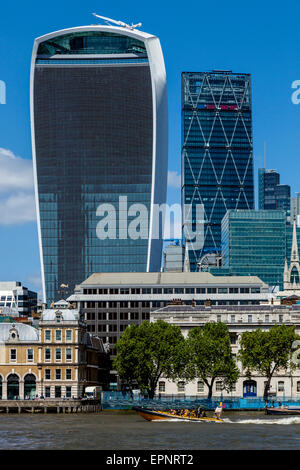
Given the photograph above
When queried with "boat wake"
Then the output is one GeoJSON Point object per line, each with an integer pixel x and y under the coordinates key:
{"type": "Point", "coordinates": [259, 421]}
{"type": "Point", "coordinates": [281, 421]}
{"type": "Point", "coordinates": [174, 420]}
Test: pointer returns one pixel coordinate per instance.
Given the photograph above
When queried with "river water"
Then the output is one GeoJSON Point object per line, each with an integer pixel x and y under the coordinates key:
{"type": "Point", "coordinates": [116, 430]}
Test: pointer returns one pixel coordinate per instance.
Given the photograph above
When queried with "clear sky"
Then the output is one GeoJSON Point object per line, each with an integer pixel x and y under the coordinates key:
{"type": "Point", "coordinates": [257, 37]}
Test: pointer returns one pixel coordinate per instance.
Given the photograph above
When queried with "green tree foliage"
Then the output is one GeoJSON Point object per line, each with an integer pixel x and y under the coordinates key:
{"type": "Point", "coordinates": [210, 356]}
{"type": "Point", "coordinates": [147, 352]}
{"type": "Point", "coordinates": [267, 351]}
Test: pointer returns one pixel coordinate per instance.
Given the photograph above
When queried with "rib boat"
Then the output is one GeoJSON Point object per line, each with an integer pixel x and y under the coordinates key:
{"type": "Point", "coordinates": [153, 415]}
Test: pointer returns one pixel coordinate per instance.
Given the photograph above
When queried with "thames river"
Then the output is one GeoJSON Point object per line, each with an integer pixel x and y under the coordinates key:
{"type": "Point", "coordinates": [114, 430]}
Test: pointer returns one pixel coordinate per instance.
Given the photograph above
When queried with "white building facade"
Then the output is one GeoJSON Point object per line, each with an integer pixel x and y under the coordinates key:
{"type": "Point", "coordinates": [16, 299]}
{"type": "Point", "coordinates": [238, 320]}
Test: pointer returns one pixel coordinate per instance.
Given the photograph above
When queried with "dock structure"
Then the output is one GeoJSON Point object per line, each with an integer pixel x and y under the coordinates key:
{"type": "Point", "coordinates": [50, 406]}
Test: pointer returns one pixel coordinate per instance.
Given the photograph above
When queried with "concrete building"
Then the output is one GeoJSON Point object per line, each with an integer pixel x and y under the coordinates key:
{"type": "Point", "coordinates": [173, 258]}
{"type": "Point", "coordinates": [110, 302]}
{"type": "Point", "coordinates": [238, 320]}
{"type": "Point", "coordinates": [58, 359]}
{"type": "Point", "coordinates": [17, 299]}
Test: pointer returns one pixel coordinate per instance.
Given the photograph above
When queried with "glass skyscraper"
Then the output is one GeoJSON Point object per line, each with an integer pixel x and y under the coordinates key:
{"type": "Point", "coordinates": [217, 157]}
{"type": "Point", "coordinates": [267, 182]}
{"type": "Point", "coordinates": [256, 243]}
{"type": "Point", "coordinates": [271, 194]}
{"type": "Point", "coordinates": [99, 131]}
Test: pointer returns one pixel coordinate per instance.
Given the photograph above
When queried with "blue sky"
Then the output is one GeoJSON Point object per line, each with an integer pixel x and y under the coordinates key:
{"type": "Point", "coordinates": [258, 37]}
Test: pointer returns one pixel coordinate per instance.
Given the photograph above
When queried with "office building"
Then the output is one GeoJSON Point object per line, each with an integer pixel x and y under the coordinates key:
{"type": "Point", "coordinates": [112, 301]}
{"type": "Point", "coordinates": [99, 132]}
{"type": "Point", "coordinates": [295, 209]}
{"type": "Point", "coordinates": [217, 159]}
{"type": "Point", "coordinates": [173, 258]}
{"type": "Point", "coordinates": [283, 197]}
{"type": "Point", "coordinates": [17, 300]}
{"type": "Point", "coordinates": [256, 243]}
{"type": "Point", "coordinates": [267, 182]}
{"type": "Point", "coordinates": [238, 319]}
{"type": "Point", "coordinates": [271, 194]}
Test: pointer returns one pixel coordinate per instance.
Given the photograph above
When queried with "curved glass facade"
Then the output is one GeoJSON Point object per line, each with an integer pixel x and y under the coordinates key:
{"type": "Point", "coordinates": [91, 42]}
{"type": "Point", "coordinates": [93, 127]}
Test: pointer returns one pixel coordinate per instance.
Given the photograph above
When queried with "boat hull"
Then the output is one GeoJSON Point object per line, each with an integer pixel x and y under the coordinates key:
{"type": "Point", "coordinates": [151, 415]}
{"type": "Point", "coordinates": [283, 411]}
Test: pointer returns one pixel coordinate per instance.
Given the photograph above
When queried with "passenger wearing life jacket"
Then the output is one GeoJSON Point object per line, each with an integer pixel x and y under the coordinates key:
{"type": "Point", "coordinates": [218, 411]}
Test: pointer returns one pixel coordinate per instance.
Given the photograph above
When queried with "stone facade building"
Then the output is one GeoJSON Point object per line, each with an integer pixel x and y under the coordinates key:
{"type": "Point", "coordinates": [238, 320]}
{"type": "Point", "coordinates": [56, 360]}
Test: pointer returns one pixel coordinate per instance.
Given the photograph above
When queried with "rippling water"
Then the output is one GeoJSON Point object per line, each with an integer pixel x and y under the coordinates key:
{"type": "Point", "coordinates": [112, 430]}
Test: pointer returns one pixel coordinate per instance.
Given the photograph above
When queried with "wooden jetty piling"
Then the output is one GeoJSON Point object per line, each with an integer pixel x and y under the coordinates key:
{"type": "Point", "coordinates": [50, 406]}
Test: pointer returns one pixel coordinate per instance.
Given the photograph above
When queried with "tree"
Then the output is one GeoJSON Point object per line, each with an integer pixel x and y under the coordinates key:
{"type": "Point", "coordinates": [267, 351]}
{"type": "Point", "coordinates": [210, 356]}
{"type": "Point", "coordinates": [147, 352]}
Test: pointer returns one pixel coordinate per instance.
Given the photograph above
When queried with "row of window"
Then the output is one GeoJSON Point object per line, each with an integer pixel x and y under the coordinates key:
{"type": "Point", "coordinates": [153, 304]}
{"type": "Point", "coordinates": [58, 374]}
{"type": "Point", "coordinates": [58, 392]}
{"type": "Point", "coordinates": [172, 290]}
{"type": "Point", "coordinates": [58, 354]}
{"type": "Point", "coordinates": [250, 318]}
{"type": "Point", "coordinates": [114, 316]}
{"type": "Point", "coordinates": [218, 386]}
{"type": "Point", "coordinates": [58, 335]}
{"type": "Point", "coordinates": [30, 354]}
{"type": "Point", "coordinates": [200, 386]}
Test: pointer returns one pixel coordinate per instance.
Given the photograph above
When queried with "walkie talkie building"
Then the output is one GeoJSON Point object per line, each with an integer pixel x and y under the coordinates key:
{"type": "Point", "coordinates": [99, 131]}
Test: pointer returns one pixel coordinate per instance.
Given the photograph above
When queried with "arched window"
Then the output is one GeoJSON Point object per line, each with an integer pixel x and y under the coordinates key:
{"type": "Point", "coordinates": [298, 386]}
{"type": "Point", "coordinates": [12, 387]}
{"type": "Point", "coordinates": [181, 387]}
{"type": "Point", "coordinates": [29, 386]}
{"type": "Point", "coordinates": [200, 386]}
{"type": "Point", "coordinates": [162, 386]}
{"type": "Point", "coordinates": [0, 387]}
{"type": "Point", "coordinates": [294, 275]}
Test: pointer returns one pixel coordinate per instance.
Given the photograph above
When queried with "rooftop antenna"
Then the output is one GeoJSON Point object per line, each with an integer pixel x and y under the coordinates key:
{"type": "Point", "coordinates": [265, 154]}
{"type": "Point", "coordinates": [119, 23]}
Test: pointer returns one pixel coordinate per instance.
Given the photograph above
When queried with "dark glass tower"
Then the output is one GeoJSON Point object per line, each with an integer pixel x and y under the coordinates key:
{"type": "Point", "coordinates": [217, 157]}
{"type": "Point", "coordinates": [99, 131]}
{"type": "Point", "coordinates": [267, 182]}
{"type": "Point", "coordinates": [271, 194]}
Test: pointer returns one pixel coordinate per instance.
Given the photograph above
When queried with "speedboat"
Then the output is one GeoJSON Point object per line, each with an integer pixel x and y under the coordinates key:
{"type": "Point", "coordinates": [283, 410]}
{"type": "Point", "coordinates": [152, 415]}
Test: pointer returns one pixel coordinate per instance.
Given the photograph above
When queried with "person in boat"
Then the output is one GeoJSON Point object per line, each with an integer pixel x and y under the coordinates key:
{"type": "Point", "coordinates": [218, 411]}
{"type": "Point", "coordinates": [199, 411]}
{"type": "Point", "coordinates": [203, 414]}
